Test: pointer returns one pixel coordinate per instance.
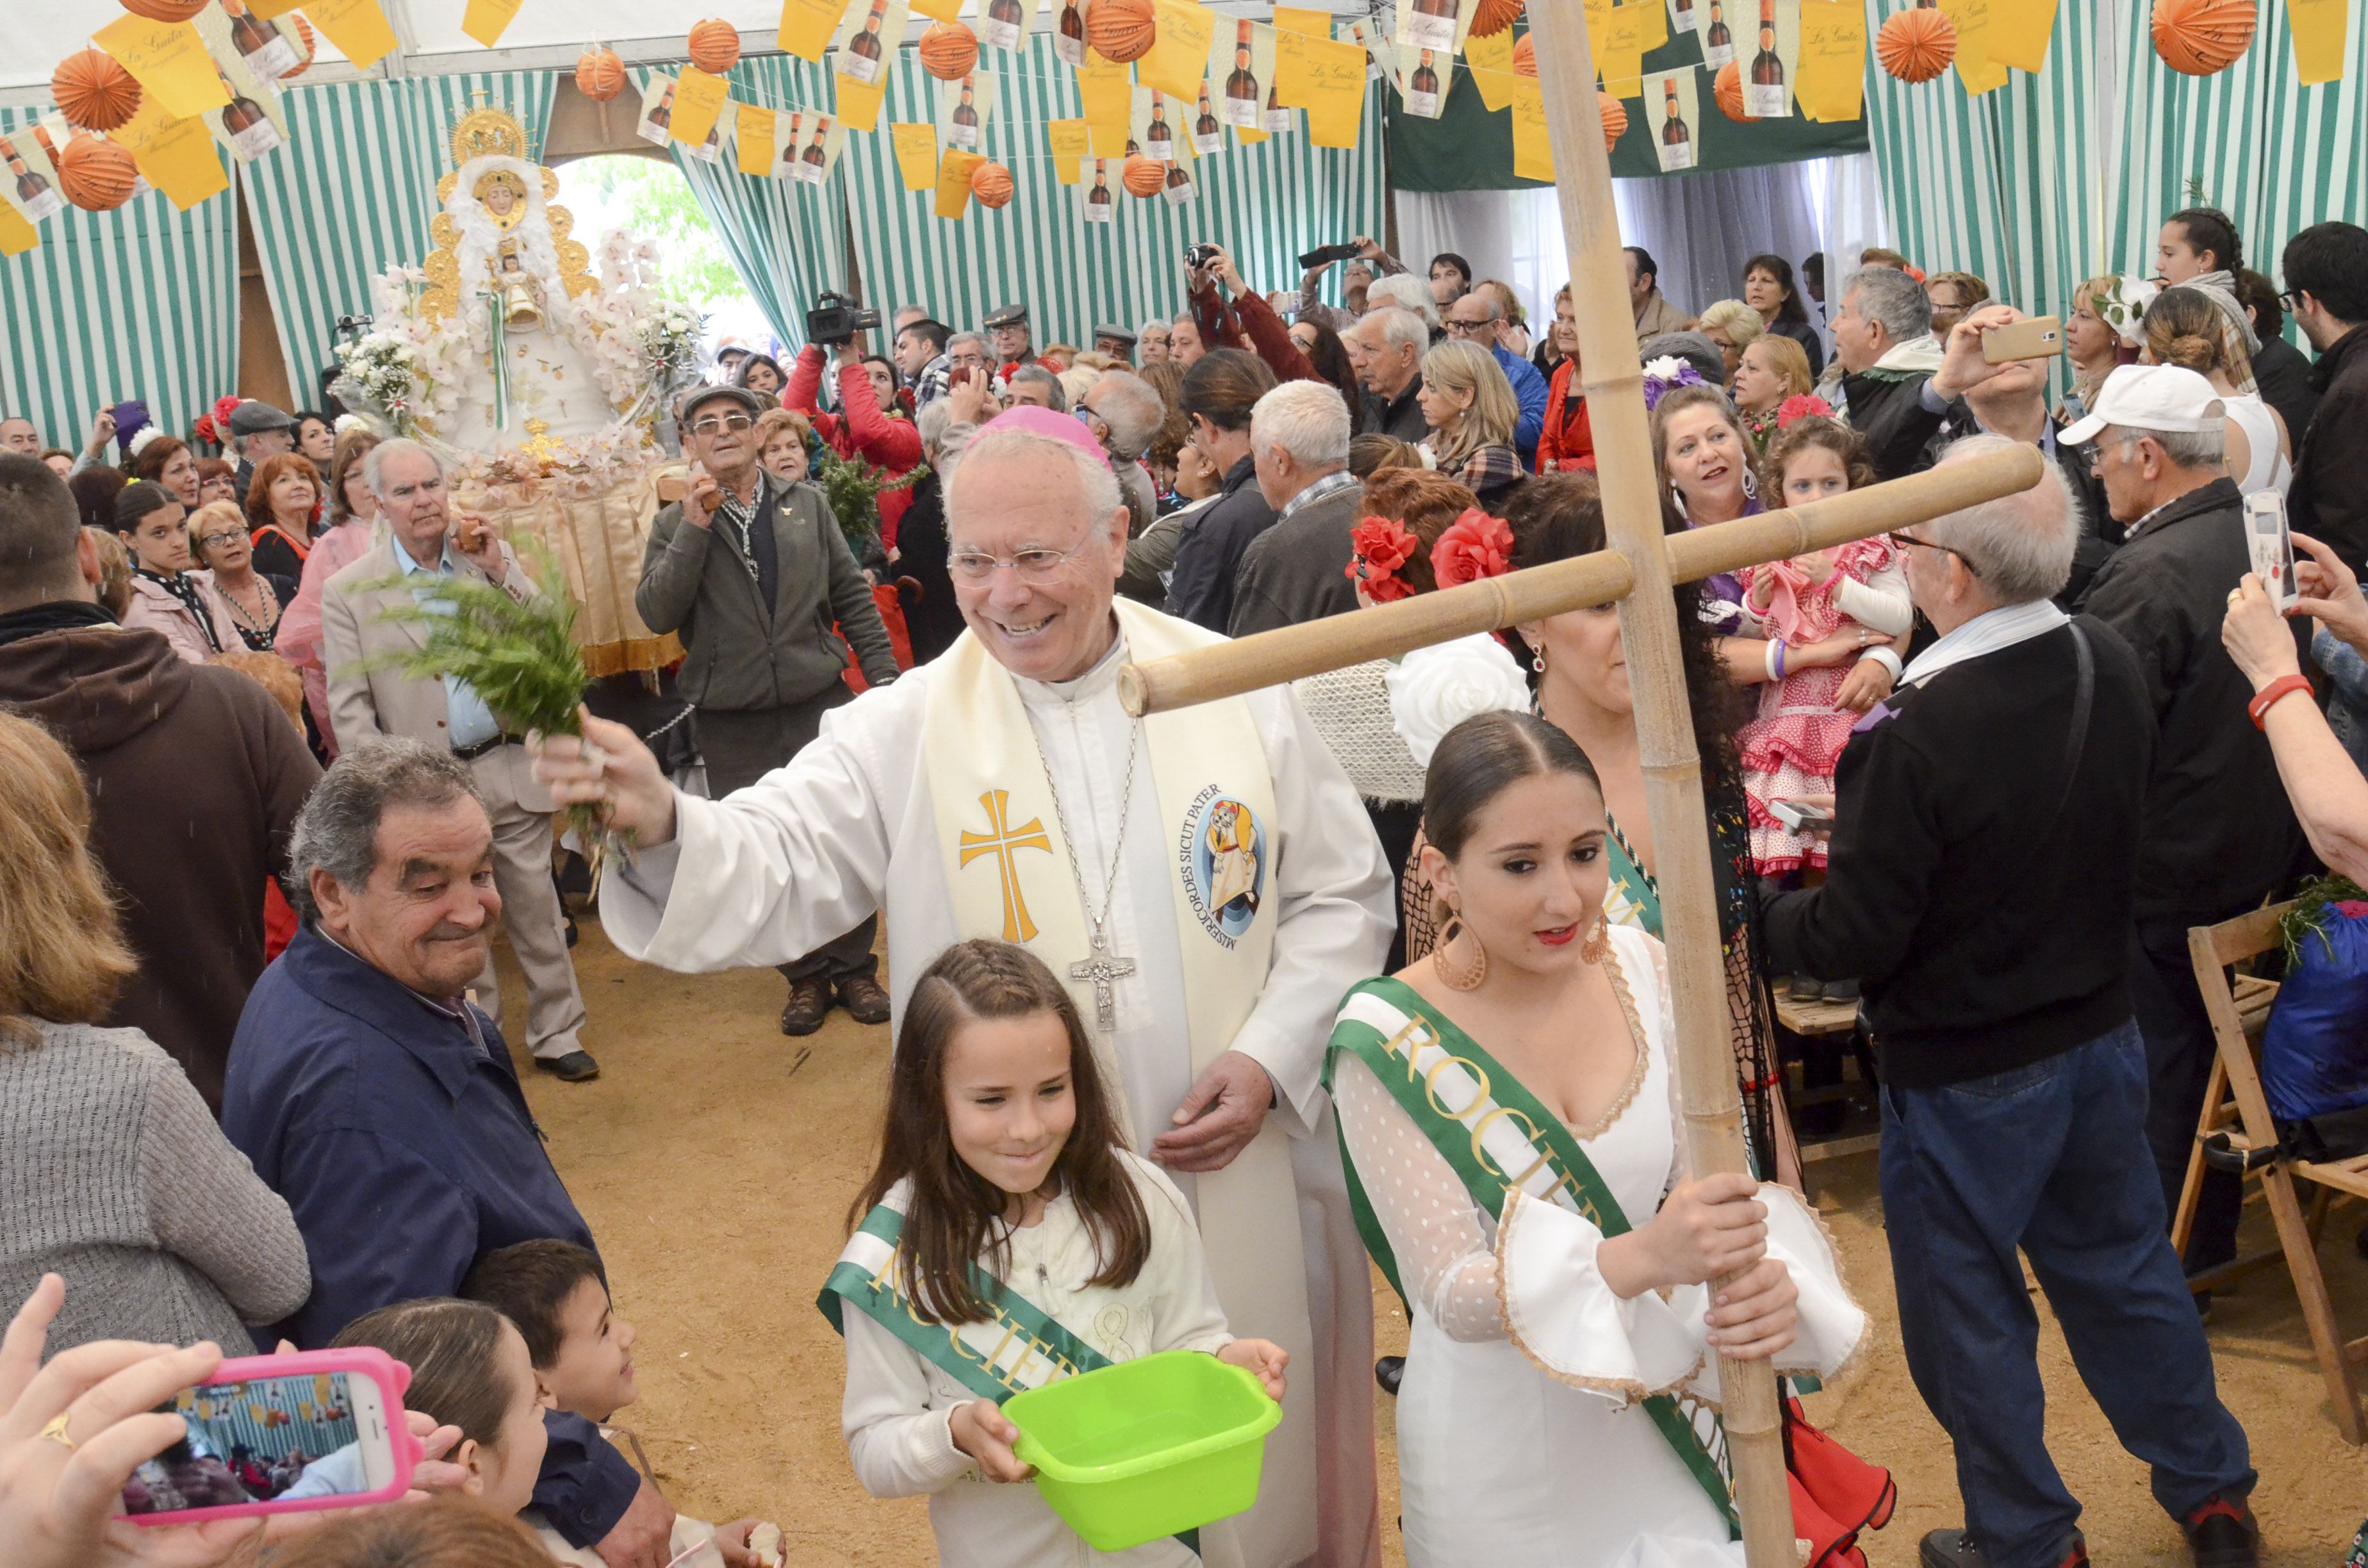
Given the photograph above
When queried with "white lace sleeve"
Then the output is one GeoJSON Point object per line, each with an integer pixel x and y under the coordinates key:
{"type": "Point", "coordinates": [1445, 1261]}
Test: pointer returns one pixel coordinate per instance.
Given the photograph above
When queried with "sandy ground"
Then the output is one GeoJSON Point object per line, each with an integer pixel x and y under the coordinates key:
{"type": "Point", "coordinates": [715, 1161]}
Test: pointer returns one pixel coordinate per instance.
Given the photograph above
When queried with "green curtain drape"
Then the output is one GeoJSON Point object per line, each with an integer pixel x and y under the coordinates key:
{"type": "Point", "coordinates": [1265, 202]}
{"type": "Point", "coordinates": [140, 302]}
{"type": "Point", "coordinates": [787, 239]}
{"type": "Point", "coordinates": [354, 192]}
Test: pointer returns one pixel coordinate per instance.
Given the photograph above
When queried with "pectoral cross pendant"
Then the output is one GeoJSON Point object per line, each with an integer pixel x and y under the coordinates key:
{"type": "Point", "coordinates": [1102, 969]}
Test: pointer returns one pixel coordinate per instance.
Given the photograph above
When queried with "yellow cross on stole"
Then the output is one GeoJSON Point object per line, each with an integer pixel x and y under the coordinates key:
{"type": "Point", "coordinates": [999, 840]}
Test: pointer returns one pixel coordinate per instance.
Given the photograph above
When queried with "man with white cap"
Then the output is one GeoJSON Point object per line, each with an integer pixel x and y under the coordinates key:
{"type": "Point", "coordinates": [2220, 833]}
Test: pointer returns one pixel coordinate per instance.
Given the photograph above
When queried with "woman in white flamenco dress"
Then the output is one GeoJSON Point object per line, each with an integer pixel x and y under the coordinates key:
{"type": "Point", "coordinates": [1508, 1109]}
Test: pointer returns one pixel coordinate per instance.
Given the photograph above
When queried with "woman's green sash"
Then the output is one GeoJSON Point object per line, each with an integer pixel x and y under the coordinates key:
{"type": "Point", "coordinates": [1496, 1135]}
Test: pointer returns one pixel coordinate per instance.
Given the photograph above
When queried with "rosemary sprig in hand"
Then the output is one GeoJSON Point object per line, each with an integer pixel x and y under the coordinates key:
{"type": "Point", "coordinates": [519, 655]}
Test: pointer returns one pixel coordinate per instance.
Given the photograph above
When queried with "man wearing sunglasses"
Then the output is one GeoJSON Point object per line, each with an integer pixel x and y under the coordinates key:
{"type": "Point", "coordinates": [1981, 887]}
{"type": "Point", "coordinates": [752, 571]}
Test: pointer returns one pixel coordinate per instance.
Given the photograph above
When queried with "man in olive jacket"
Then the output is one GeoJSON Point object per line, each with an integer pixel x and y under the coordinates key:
{"type": "Point", "coordinates": [754, 574]}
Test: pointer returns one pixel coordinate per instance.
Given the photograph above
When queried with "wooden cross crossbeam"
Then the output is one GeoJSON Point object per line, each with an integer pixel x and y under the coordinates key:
{"type": "Point", "coordinates": [1639, 571]}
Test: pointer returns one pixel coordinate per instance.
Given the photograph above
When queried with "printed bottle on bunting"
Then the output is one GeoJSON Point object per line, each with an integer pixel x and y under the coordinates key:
{"type": "Point", "coordinates": [1277, 116]}
{"type": "Point", "coordinates": [1431, 23]}
{"type": "Point", "coordinates": [1422, 89]}
{"type": "Point", "coordinates": [966, 119]}
{"type": "Point", "coordinates": [1158, 141]}
{"type": "Point", "coordinates": [1097, 201]}
{"type": "Point", "coordinates": [663, 114]}
{"type": "Point", "coordinates": [1765, 96]}
{"type": "Point", "coordinates": [863, 50]}
{"type": "Point", "coordinates": [1204, 129]}
{"type": "Point", "coordinates": [1677, 140]}
{"type": "Point", "coordinates": [1242, 85]}
{"type": "Point", "coordinates": [1001, 26]}
{"type": "Point", "coordinates": [1069, 36]}
{"type": "Point", "coordinates": [817, 158]}
{"type": "Point", "coordinates": [249, 129]}
{"type": "Point", "coordinates": [1718, 43]}
{"type": "Point", "coordinates": [269, 54]}
{"type": "Point", "coordinates": [1180, 185]}
{"type": "Point", "coordinates": [40, 200]}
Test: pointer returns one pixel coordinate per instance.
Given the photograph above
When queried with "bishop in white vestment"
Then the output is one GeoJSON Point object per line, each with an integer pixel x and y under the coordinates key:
{"type": "Point", "coordinates": [1207, 881]}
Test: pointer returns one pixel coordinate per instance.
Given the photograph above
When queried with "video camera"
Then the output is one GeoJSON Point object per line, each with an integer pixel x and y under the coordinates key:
{"type": "Point", "coordinates": [837, 318]}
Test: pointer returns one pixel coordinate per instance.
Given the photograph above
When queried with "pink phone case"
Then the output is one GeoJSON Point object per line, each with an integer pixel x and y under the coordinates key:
{"type": "Point", "coordinates": [391, 1377]}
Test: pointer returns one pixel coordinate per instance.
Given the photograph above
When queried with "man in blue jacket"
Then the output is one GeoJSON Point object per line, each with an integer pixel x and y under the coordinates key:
{"type": "Point", "coordinates": [380, 1102]}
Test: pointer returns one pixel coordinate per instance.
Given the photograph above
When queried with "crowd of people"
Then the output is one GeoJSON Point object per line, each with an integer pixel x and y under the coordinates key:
{"type": "Point", "coordinates": [1194, 1016]}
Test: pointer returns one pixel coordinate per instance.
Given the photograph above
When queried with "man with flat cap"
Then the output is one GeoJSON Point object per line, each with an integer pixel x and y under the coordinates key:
{"type": "Point", "coordinates": [1116, 342]}
{"type": "Point", "coordinates": [752, 572]}
{"type": "Point", "coordinates": [257, 431]}
{"type": "Point", "coordinates": [1007, 330]}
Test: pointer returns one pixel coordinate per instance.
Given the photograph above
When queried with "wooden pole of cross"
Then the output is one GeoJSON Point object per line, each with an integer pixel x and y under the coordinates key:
{"type": "Point", "coordinates": [1638, 571]}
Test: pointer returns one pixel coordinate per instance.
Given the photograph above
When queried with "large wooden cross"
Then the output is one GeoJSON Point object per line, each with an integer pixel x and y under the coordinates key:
{"type": "Point", "coordinates": [1638, 571]}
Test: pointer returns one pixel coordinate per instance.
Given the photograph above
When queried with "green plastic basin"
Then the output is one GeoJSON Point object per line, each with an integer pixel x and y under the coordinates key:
{"type": "Point", "coordinates": [1149, 1448]}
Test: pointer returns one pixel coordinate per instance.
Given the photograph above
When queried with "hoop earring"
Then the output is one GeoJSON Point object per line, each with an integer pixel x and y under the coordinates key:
{"type": "Point", "coordinates": [1537, 661]}
{"type": "Point", "coordinates": [1597, 940]}
{"type": "Point", "coordinates": [1458, 974]}
{"type": "Point", "coordinates": [1750, 485]}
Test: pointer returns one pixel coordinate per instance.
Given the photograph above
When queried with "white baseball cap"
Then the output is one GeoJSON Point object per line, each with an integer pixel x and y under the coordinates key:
{"type": "Point", "coordinates": [2151, 397]}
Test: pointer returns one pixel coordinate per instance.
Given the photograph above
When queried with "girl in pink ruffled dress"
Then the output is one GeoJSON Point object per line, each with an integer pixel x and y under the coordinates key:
{"type": "Point", "coordinates": [1790, 749]}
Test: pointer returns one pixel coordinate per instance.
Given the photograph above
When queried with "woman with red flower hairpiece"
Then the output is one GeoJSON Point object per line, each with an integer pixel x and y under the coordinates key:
{"type": "Point", "coordinates": [1478, 546]}
{"type": "Point", "coordinates": [1407, 511]}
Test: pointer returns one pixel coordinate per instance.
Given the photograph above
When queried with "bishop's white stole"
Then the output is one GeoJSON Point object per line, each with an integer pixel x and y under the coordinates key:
{"type": "Point", "coordinates": [1008, 873]}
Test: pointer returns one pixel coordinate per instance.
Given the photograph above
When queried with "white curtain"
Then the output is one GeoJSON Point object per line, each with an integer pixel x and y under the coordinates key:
{"type": "Point", "coordinates": [1701, 228]}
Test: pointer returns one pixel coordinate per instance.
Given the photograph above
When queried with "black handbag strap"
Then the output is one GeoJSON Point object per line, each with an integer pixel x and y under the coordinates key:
{"type": "Point", "coordinates": [2075, 744]}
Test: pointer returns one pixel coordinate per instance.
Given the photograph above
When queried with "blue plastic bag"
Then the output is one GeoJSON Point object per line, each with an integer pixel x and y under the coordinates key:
{"type": "Point", "coordinates": [2315, 1051]}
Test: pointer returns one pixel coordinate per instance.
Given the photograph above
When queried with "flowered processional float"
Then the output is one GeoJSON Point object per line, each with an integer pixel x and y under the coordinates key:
{"type": "Point", "coordinates": [539, 377]}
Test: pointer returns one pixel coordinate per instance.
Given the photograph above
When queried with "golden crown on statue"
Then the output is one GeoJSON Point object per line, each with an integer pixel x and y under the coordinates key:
{"type": "Point", "coordinates": [484, 132]}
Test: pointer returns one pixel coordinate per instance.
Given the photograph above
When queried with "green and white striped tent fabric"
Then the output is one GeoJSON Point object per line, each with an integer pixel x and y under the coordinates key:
{"type": "Point", "coordinates": [787, 239]}
{"type": "Point", "coordinates": [141, 302]}
{"type": "Point", "coordinates": [1266, 203]}
{"type": "Point", "coordinates": [2057, 177]}
{"type": "Point", "coordinates": [353, 193]}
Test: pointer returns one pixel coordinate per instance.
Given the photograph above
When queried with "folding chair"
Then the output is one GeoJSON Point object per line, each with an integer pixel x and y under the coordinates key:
{"type": "Point", "coordinates": [2236, 1133]}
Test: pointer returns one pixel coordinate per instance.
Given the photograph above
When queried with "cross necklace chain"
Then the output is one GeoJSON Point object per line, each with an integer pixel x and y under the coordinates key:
{"type": "Point", "coordinates": [1101, 968]}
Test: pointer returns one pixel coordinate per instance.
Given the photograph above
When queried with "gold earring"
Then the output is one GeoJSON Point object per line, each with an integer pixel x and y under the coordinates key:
{"type": "Point", "coordinates": [1592, 950]}
{"type": "Point", "coordinates": [1458, 973]}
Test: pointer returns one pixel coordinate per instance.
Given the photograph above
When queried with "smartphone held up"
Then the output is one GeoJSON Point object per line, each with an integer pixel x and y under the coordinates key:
{"type": "Point", "coordinates": [2037, 337]}
{"type": "Point", "coordinates": [2270, 541]}
{"type": "Point", "coordinates": [281, 1434]}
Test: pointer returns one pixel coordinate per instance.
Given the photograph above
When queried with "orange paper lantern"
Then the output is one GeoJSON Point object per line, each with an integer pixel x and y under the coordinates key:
{"type": "Point", "coordinates": [308, 47]}
{"type": "Point", "coordinates": [94, 91]}
{"type": "Point", "coordinates": [1525, 55]}
{"type": "Point", "coordinates": [1145, 176]}
{"type": "Point", "coordinates": [1730, 91]}
{"type": "Point", "coordinates": [1916, 45]}
{"type": "Point", "coordinates": [97, 175]}
{"type": "Point", "coordinates": [599, 74]}
{"type": "Point", "coordinates": [1615, 118]}
{"type": "Point", "coordinates": [165, 10]}
{"type": "Point", "coordinates": [990, 183]}
{"type": "Point", "coordinates": [1492, 16]}
{"type": "Point", "coordinates": [1122, 30]}
{"type": "Point", "coordinates": [2200, 37]}
{"type": "Point", "coordinates": [949, 51]}
{"type": "Point", "coordinates": [714, 46]}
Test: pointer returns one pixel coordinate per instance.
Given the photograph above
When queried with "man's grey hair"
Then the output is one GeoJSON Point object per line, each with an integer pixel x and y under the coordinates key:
{"type": "Point", "coordinates": [2185, 448]}
{"type": "Point", "coordinates": [1036, 376]}
{"type": "Point", "coordinates": [1307, 419]}
{"type": "Point", "coordinates": [1133, 409]}
{"type": "Point", "coordinates": [1887, 295]}
{"type": "Point", "coordinates": [935, 415]}
{"type": "Point", "coordinates": [1102, 495]}
{"type": "Point", "coordinates": [1486, 296]}
{"type": "Point", "coordinates": [374, 462]}
{"type": "Point", "coordinates": [2020, 545]}
{"type": "Point", "coordinates": [1158, 322]}
{"type": "Point", "coordinates": [338, 830]}
{"type": "Point", "coordinates": [1407, 292]}
{"type": "Point", "coordinates": [955, 341]}
{"type": "Point", "coordinates": [1400, 328]}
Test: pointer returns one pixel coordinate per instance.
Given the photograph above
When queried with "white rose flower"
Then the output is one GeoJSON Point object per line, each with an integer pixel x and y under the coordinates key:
{"type": "Point", "coordinates": [1666, 367]}
{"type": "Point", "coordinates": [1434, 689]}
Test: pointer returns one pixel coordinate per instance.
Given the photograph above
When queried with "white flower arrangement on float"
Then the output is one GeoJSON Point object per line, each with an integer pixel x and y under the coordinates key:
{"type": "Point", "coordinates": [407, 369]}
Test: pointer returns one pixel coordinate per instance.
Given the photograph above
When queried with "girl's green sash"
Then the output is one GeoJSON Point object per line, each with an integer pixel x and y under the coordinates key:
{"type": "Point", "coordinates": [1496, 1135]}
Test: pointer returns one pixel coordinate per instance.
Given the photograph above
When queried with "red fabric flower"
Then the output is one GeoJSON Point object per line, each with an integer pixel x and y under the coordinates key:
{"type": "Point", "coordinates": [1478, 546]}
{"type": "Point", "coordinates": [1802, 405]}
{"type": "Point", "coordinates": [1380, 546]}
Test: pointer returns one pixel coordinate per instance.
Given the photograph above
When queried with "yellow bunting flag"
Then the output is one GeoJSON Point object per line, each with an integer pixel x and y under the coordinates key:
{"type": "Point", "coordinates": [1830, 84]}
{"type": "Point", "coordinates": [1179, 60]}
{"type": "Point", "coordinates": [752, 135]}
{"type": "Point", "coordinates": [1070, 141]}
{"type": "Point", "coordinates": [859, 102]}
{"type": "Point", "coordinates": [176, 156]}
{"type": "Point", "coordinates": [916, 154]}
{"type": "Point", "coordinates": [1297, 20]}
{"type": "Point", "coordinates": [357, 28]}
{"type": "Point", "coordinates": [697, 103]}
{"type": "Point", "coordinates": [16, 236]}
{"type": "Point", "coordinates": [1532, 157]}
{"type": "Point", "coordinates": [2019, 30]}
{"type": "Point", "coordinates": [807, 26]}
{"type": "Point", "coordinates": [485, 20]}
{"type": "Point", "coordinates": [1334, 101]}
{"type": "Point", "coordinates": [1491, 59]}
{"type": "Point", "coordinates": [2320, 27]}
{"type": "Point", "coordinates": [170, 62]}
{"type": "Point", "coordinates": [954, 168]}
{"type": "Point", "coordinates": [1975, 68]}
{"type": "Point", "coordinates": [940, 10]}
{"type": "Point", "coordinates": [1621, 45]}
{"type": "Point", "coordinates": [1106, 98]}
